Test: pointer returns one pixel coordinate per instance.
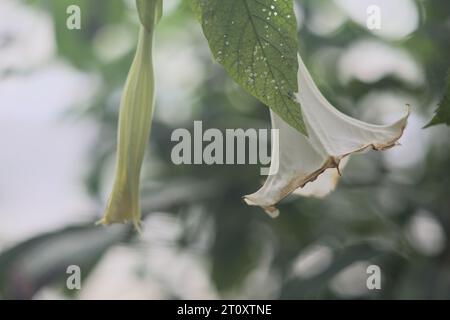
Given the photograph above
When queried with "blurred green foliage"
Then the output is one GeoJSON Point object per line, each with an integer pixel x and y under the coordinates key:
{"type": "Point", "coordinates": [364, 220]}
{"type": "Point", "coordinates": [443, 112]}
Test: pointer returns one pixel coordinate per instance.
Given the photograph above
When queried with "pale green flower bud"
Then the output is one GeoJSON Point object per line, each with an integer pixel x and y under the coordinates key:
{"type": "Point", "coordinates": [135, 118]}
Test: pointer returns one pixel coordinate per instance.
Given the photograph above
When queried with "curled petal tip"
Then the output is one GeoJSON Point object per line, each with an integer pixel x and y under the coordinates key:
{"type": "Point", "coordinates": [101, 222]}
{"type": "Point", "coordinates": [272, 211]}
{"type": "Point", "coordinates": [137, 224]}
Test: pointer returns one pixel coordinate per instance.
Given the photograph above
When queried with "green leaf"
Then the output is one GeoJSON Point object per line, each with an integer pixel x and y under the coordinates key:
{"type": "Point", "coordinates": [442, 115]}
{"type": "Point", "coordinates": [256, 42]}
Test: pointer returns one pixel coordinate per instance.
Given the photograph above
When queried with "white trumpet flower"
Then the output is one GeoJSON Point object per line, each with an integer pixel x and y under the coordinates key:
{"type": "Point", "coordinates": [311, 166]}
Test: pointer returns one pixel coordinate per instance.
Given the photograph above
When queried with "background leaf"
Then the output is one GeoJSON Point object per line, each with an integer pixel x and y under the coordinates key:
{"type": "Point", "coordinates": [30, 265]}
{"type": "Point", "coordinates": [256, 42]}
{"type": "Point", "coordinates": [443, 112]}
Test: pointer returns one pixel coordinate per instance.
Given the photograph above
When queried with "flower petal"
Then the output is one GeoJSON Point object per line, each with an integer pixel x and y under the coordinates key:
{"type": "Point", "coordinates": [324, 184]}
{"type": "Point", "coordinates": [332, 137]}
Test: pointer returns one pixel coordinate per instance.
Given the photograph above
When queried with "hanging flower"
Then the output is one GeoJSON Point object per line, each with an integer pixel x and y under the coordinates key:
{"type": "Point", "coordinates": [135, 118]}
{"type": "Point", "coordinates": [311, 166]}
